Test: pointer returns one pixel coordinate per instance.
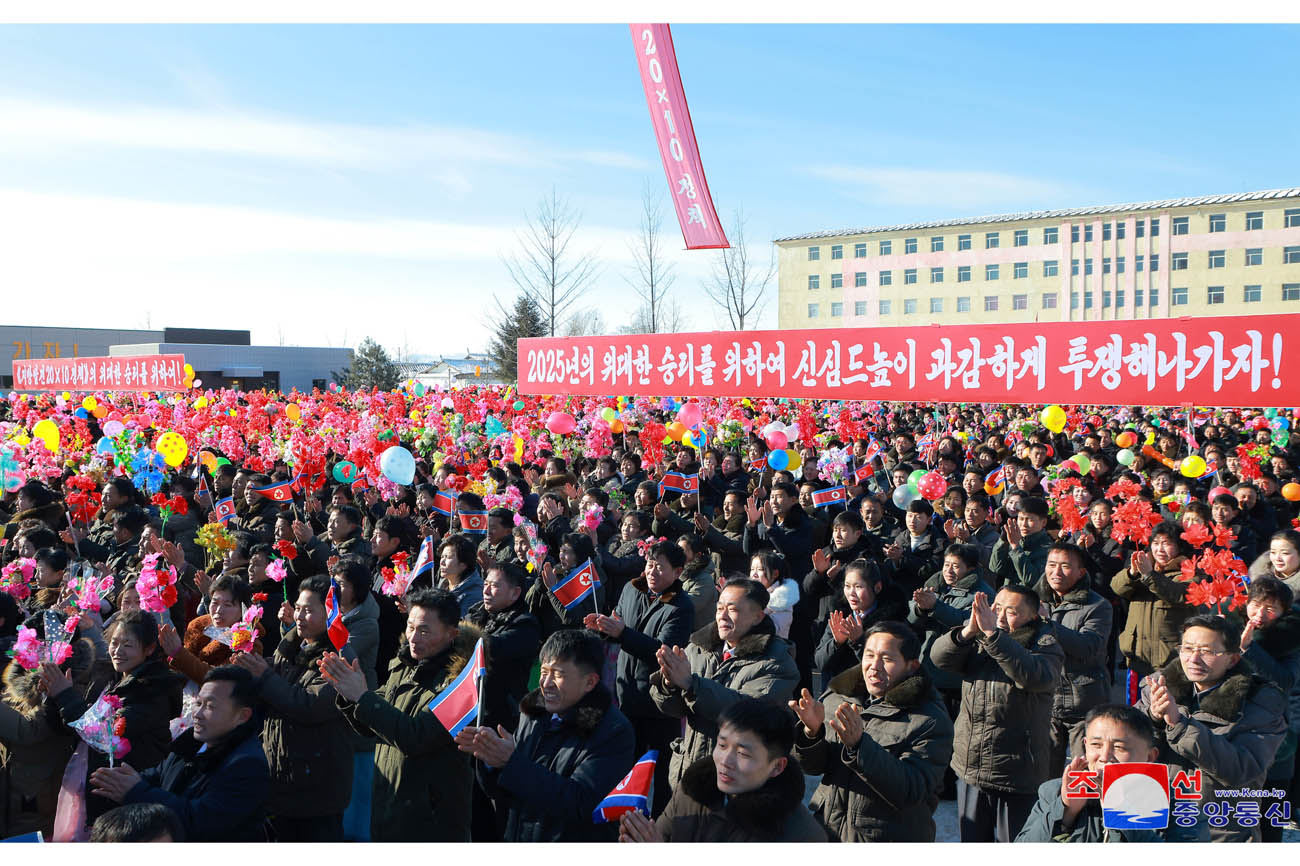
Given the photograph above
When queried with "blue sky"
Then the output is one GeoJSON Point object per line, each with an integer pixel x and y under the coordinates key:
{"type": "Point", "coordinates": [322, 183]}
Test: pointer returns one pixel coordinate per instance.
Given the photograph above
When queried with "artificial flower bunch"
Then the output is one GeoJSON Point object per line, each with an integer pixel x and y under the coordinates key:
{"type": "Point", "coordinates": [592, 517]}
{"type": "Point", "coordinates": [1134, 520]}
{"type": "Point", "coordinates": [836, 465]}
{"type": "Point", "coordinates": [1215, 574]}
{"type": "Point", "coordinates": [16, 578]}
{"type": "Point", "coordinates": [31, 652]}
{"type": "Point", "coordinates": [103, 729]}
{"type": "Point", "coordinates": [83, 498]}
{"type": "Point", "coordinates": [536, 547]}
{"type": "Point", "coordinates": [1062, 503]}
{"type": "Point", "coordinates": [156, 586]}
{"type": "Point", "coordinates": [168, 507]}
{"type": "Point", "coordinates": [397, 578]}
{"type": "Point", "coordinates": [510, 498]}
{"type": "Point", "coordinates": [88, 591]}
{"type": "Point", "coordinates": [215, 539]}
{"type": "Point", "coordinates": [244, 632]}
{"type": "Point", "coordinates": [147, 468]}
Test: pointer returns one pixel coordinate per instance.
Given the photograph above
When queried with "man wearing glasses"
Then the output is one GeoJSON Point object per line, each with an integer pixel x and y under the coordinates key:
{"type": "Point", "coordinates": [1213, 713]}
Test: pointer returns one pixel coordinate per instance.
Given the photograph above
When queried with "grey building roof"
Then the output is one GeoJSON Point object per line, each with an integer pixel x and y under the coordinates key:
{"type": "Point", "coordinates": [1195, 201]}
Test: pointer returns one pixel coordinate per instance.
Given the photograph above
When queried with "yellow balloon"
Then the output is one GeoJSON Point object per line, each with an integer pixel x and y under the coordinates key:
{"type": "Point", "coordinates": [173, 447]}
{"type": "Point", "coordinates": [67, 395]}
{"type": "Point", "coordinates": [23, 439]}
{"type": "Point", "coordinates": [89, 404]}
{"type": "Point", "coordinates": [689, 441]}
{"type": "Point", "coordinates": [189, 372]}
{"type": "Point", "coordinates": [796, 460]}
{"type": "Point", "coordinates": [45, 428]}
{"type": "Point", "coordinates": [1053, 418]}
{"type": "Point", "coordinates": [201, 403]}
{"type": "Point", "coordinates": [1192, 466]}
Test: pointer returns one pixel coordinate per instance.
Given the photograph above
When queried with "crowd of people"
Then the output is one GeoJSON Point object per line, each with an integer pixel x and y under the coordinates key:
{"type": "Point", "coordinates": [891, 604]}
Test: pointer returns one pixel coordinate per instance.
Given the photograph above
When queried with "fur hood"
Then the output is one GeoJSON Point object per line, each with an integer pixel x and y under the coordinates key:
{"type": "Point", "coordinates": [965, 584]}
{"type": "Point", "coordinates": [20, 686]}
{"type": "Point", "coordinates": [584, 717]}
{"type": "Point", "coordinates": [1027, 635]}
{"type": "Point", "coordinates": [668, 594]}
{"type": "Point", "coordinates": [1077, 595]}
{"type": "Point", "coordinates": [753, 644]}
{"type": "Point", "coordinates": [760, 813]}
{"type": "Point", "coordinates": [911, 692]}
{"type": "Point", "coordinates": [1227, 701]}
{"type": "Point", "coordinates": [734, 526]}
{"type": "Point", "coordinates": [458, 655]}
{"type": "Point", "coordinates": [50, 514]}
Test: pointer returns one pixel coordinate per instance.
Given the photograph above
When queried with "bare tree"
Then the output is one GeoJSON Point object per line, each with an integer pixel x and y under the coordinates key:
{"type": "Point", "coordinates": [653, 274]}
{"type": "Point", "coordinates": [584, 323]}
{"type": "Point", "coordinates": [736, 284]}
{"type": "Point", "coordinates": [545, 269]}
{"type": "Point", "coordinates": [671, 319]}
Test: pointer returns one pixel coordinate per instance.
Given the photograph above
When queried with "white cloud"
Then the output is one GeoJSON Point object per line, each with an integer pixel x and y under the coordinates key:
{"type": "Point", "coordinates": [946, 189]}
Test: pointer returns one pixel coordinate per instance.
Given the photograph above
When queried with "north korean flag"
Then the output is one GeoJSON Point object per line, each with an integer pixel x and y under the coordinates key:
{"type": "Point", "coordinates": [473, 522]}
{"type": "Point", "coordinates": [338, 632]}
{"type": "Point", "coordinates": [225, 509]}
{"type": "Point", "coordinates": [873, 450]}
{"type": "Point", "coordinates": [680, 483]}
{"type": "Point", "coordinates": [574, 589]}
{"type": "Point", "coordinates": [830, 496]}
{"type": "Point", "coordinates": [203, 485]}
{"type": "Point", "coordinates": [758, 465]}
{"type": "Point", "coordinates": [444, 502]}
{"type": "Point", "coordinates": [993, 481]}
{"type": "Point", "coordinates": [457, 705]}
{"type": "Point", "coordinates": [282, 492]}
{"type": "Point", "coordinates": [863, 472]}
{"type": "Point", "coordinates": [631, 793]}
{"type": "Point", "coordinates": [425, 561]}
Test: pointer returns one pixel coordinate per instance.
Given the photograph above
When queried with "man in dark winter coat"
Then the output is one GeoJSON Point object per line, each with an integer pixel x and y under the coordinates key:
{"type": "Point", "coordinates": [571, 748]}
{"type": "Point", "coordinates": [737, 655]}
{"type": "Point", "coordinates": [916, 551]}
{"type": "Point", "coordinates": [344, 536]}
{"type": "Point", "coordinates": [215, 780]}
{"type": "Point", "coordinates": [1010, 664]}
{"type": "Point", "coordinates": [1080, 621]}
{"type": "Point", "coordinates": [890, 738]}
{"type": "Point", "coordinates": [1020, 556]}
{"type": "Point", "coordinates": [422, 783]}
{"type": "Point", "coordinates": [653, 611]}
{"type": "Point", "coordinates": [863, 601]}
{"type": "Point", "coordinates": [749, 790]}
{"type": "Point", "coordinates": [1114, 734]}
{"type": "Point", "coordinates": [511, 636]}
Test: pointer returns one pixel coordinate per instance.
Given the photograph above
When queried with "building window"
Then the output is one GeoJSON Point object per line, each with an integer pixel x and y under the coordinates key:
{"type": "Point", "coordinates": [1020, 302]}
{"type": "Point", "coordinates": [1074, 300]}
{"type": "Point", "coordinates": [1087, 267]}
{"type": "Point", "coordinates": [1074, 267]}
{"type": "Point", "coordinates": [1254, 256]}
{"type": "Point", "coordinates": [963, 273]}
{"type": "Point", "coordinates": [936, 244]}
{"type": "Point", "coordinates": [886, 278]}
{"type": "Point", "coordinates": [963, 242]}
{"type": "Point", "coordinates": [886, 247]}
{"type": "Point", "coordinates": [1137, 298]}
{"type": "Point", "coordinates": [837, 308]}
{"type": "Point", "coordinates": [860, 251]}
{"type": "Point", "coordinates": [1119, 231]}
{"type": "Point", "coordinates": [990, 240]}
{"type": "Point", "coordinates": [1180, 226]}
{"type": "Point", "coordinates": [859, 308]}
{"type": "Point", "coordinates": [1087, 300]}
{"type": "Point", "coordinates": [1140, 229]}
{"type": "Point", "coordinates": [1214, 295]}
{"type": "Point", "coordinates": [1105, 231]}
{"type": "Point", "coordinates": [814, 281]}
{"type": "Point", "coordinates": [1119, 296]}
{"type": "Point", "coordinates": [909, 306]}
{"type": "Point", "coordinates": [1049, 300]}
{"type": "Point", "coordinates": [909, 277]}
{"type": "Point", "coordinates": [1177, 262]}
{"type": "Point", "coordinates": [1050, 268]}
{"type": "Point", "coordinates": [936, 305]}
{"type": "Point", "coordinates": [1020, 238]}
{"type": "Point", "coordinates": [1251, 294]}
{"type": "Point", "coordinates": [1087, 233]}
{"type": "Point", "coordinates": [1105, 265]}
{"type": "Point", "coordinates": [963, 304]}
{"type": "Point", "coordinates": [1218, 222]}
{"type": "Point", "coordinates": [936, 275]}
{"type": "Point", "coordinates": [1291, 255]}
{"type": "Point", "coordinates": [1052, 235]}
{"type": "Point", "coordinates": [886, 307]}
{"type": "Point", "coordinates": [990, 272]}
{"type": "Point", "coordinates": [1119, 264]}
{"type": "Point", "coordinates": [1291, 218]}
{"type": "Point", "coordinates": [1020, 270]}
{"type": "Point", "coordinates": [909, 246]}
{"type": "Point", "coordinates": [1153, 297]}
{"type": "Point", "coordinates": [812, 311]}
{"type": "Point", "coordinates": [1155, 263]}
{"type": "Point", "coordinates": [1291, 291]}
{"type": "Point", "coordinates": [1217, 259]}
{"type": "Point", "coordinates": [860, 280]}
{"type": "Point", "coordinates": [1074, 234]}
{"type": "Point", "coordinates": [837, 281]}
{"type": "Point", "coordinates": [1254, 220]}
{"type": "Point", "coordinates": [1139, 263]}
{"type": "Point", "coordinates": [837, 251]}
{"type": "Point", "coordinates": [814, 254]}
{"type": "Point", "coordinates": [990, 303]}
{"type": "Point", "coordinates": [1179, 297]}
{"type": "Point", "coordinates": [1155, 228]}
{"type": "Point", "coordinates": [1105, 300]}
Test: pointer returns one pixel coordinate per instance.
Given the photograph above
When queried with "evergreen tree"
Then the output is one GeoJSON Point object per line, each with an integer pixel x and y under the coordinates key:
{"type": "Point", "coordinates": [525, 320]}
{"type": "Point", "coordinates": [371, 367]}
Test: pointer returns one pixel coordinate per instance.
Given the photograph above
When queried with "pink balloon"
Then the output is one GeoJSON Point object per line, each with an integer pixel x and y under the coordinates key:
{"type": "Point", "coordinates": [932, 486]}
{"type": "Point", "coordinates": [691, 415]}
{"type": "Point", "coordinates": [1218, 491]}
{"type": "Point", "coordinates": [777, 440]}
{"type": "Point", "coordinates": [561, 423]}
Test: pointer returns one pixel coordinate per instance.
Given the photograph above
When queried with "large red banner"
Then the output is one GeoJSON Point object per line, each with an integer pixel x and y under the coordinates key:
{"type": "Point", "coordinates": [1226, 361]}
{"type": "Point", "coordinates": [134, 373]}
{"type": "Point", "coordinates": [657, 62]}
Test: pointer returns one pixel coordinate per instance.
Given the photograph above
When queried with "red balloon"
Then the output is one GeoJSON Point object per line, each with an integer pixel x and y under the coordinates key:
{"type": "Point", "coordinates": [932, 486]}
{"type": "Point", "coordinates": [777, 440]}
{"type": "Point", "coordinates": [561, 423]}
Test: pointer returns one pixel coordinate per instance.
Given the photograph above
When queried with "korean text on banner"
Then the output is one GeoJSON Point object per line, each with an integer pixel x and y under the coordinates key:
{"type": "Point", "coordinates": [134, 373]}
{"type": "Point", "coordinates": [1222, 361]}
{"type": "Point", "coordinates": [657, 62]}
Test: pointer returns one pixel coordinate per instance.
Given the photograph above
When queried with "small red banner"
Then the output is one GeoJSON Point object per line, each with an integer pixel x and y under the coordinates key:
{"type": "Point", "coordinates": [135, 373]}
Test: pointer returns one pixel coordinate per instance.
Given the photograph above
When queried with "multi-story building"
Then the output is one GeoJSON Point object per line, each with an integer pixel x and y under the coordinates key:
{"type": "Point", "coordinates": [1216, 255]}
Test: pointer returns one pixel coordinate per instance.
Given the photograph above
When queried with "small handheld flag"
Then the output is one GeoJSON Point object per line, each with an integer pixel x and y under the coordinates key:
{"type": "Point", "coordinates": [338, 632]}
{"type": "Point", "coordinates": [473, 522]}
{"type": "Point", "coordinates": [758, 465]}
{"type": "Point", "coordinates": [282, 492]}
{"type": "Point", "coordinates": [873, 450]}
{"type": "Point", "coordinates": [574, 589]}
{"type": "Point", "coordinates": [424, 561]}
{"type": "Point", "coordinates": [830, 496]}
{"type": "Point", "coordinates": [631, 793]}
{"type": "Point", "coordinates": [203, 485]}
{"type": "Point", "coordinates": [993, 482]}
{"type": "Point", "coordinates": [457, 705]}
{"type": "Point", "coordinates": [444, 502]}
{"type": "Point", "coordinates": [225, 509]}
{"type": "Point", "coordinates": [680, 483]}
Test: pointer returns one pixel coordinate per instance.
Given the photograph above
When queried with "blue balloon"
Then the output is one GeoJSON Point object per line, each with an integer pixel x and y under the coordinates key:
{"type": "Point", "coordinates": [398, 465]}
{"type": "Point", "coordinates": [1281, 423]}
{"type": "Point", "coordinates": [104, 445]}
{"type": "Point", "coordinates": [778, 460]}
{"type": "Point", "coordinates": [82, 414]}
